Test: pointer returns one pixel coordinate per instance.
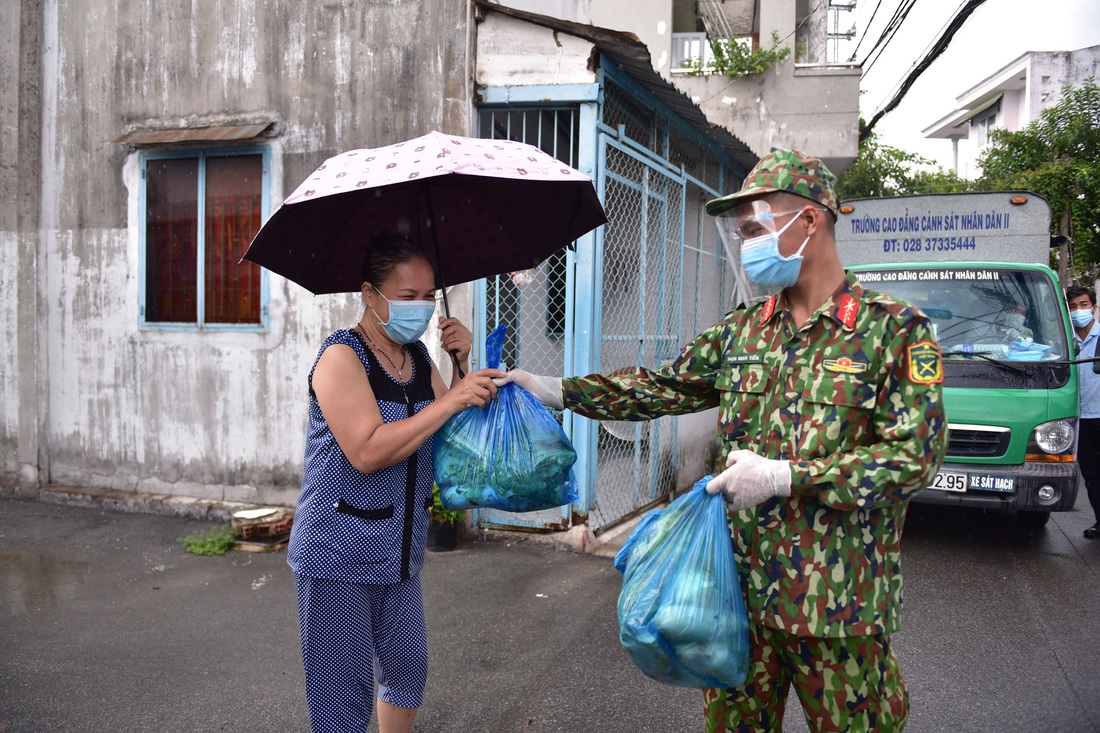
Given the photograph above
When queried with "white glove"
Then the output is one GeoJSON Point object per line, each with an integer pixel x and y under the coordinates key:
{"type": "Point", "coordinates": [546, 390]}
{"type": "Point", "coordinates": [750, 479]}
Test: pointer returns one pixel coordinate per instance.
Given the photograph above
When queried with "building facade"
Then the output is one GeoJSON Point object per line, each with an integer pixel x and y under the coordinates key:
{"type": "Point", "coordinates": [145, 144]}
{"type": "Point", "coordinates": [1010, 99]}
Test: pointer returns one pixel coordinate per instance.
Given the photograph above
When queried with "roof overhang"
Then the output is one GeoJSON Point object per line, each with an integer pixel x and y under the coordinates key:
{"type": "Point", "coordinates": [163, 135]}
{"type": "Point", "coordinates": [957, 124]}
{"type": "Point", "coordinates": [633, 57]}
{"type": "Point", "coordinates": [980, 97]}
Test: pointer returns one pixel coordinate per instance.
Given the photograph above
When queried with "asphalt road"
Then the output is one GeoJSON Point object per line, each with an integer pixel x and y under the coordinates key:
{"type": "Point", "coordinates": [107, 625]}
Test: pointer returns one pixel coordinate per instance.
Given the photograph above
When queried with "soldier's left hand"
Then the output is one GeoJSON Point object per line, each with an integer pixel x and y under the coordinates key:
{"type": "Point", "coordinates": [750, 479]}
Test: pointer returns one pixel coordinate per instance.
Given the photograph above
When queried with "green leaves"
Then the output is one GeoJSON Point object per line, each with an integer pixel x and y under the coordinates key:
{"type": "Point", "coordinates": [883, 170]}
{"type": "Point", "coordinates": [1058, 157]}
{"type": "Point", "coordinates": [214, 541]}
{"type": "Point", "coordinates": [734, 58]}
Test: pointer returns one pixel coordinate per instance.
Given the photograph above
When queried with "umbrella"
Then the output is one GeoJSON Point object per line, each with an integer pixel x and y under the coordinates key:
{"type": "Point", "coordinates": [483, 207]}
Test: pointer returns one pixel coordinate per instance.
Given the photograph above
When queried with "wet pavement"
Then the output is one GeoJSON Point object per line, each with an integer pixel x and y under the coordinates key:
{"type": "Point", "coordinates": [106, 624]}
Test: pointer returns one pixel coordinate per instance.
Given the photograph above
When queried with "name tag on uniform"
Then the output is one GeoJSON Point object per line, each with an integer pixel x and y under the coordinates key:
{"type": "Point", "coordinates": [736, 359]}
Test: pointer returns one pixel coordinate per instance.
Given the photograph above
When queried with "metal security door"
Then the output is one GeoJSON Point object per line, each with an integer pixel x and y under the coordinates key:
{"type": "Point", "coordinates": [639, 322]}
{"type": "Point", "coordinates": [536, 304]}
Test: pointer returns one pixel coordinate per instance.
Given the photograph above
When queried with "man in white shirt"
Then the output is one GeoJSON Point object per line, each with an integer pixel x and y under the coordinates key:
{"type": "Point", "coordinates": [1086, 334]}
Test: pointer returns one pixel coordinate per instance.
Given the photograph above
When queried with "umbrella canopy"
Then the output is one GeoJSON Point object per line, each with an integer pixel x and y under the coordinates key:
{"type": "Point", "coordinates": [480, 207]}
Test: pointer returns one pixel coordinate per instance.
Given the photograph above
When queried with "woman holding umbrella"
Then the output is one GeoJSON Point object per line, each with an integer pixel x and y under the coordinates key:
{"type": "Point", "coordinates": [357, 547]}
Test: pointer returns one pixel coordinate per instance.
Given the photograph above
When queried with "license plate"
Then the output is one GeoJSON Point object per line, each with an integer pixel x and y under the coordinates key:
{"type": "Point", "coordinates": [992, 482]}
{"type": "Point", "coordinates": [948, 481]}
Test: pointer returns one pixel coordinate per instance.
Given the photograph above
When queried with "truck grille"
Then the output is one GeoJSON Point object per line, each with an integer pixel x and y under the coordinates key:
{"type": "Point", "coordinates": [977, 441]}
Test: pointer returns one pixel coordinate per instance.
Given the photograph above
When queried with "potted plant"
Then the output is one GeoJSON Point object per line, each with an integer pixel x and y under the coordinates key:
{"type": "Point", "coordinates": [443, 528]}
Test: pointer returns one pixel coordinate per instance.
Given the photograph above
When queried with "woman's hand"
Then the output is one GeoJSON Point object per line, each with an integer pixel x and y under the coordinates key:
{"type": "Point", "coordinates": [456, 339]}
{"type": "Point", "coordinates": [476, 389]}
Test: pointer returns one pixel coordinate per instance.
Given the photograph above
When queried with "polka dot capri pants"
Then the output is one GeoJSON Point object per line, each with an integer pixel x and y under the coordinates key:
{"type": "Point", "coordinates": [348, 629]}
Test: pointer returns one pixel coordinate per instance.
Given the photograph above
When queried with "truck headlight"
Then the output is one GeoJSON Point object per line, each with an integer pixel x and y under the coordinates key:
{"type": "Point", "coordinates": [1054, 438]}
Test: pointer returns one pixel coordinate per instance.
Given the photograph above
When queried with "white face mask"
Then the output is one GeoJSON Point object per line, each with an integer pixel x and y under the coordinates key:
{"type": "Point", "coordinates": [1081, 317]}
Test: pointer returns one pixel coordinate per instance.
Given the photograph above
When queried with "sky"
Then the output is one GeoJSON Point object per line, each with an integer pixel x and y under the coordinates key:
{"type": "Point", "coordinates": [997, 33]}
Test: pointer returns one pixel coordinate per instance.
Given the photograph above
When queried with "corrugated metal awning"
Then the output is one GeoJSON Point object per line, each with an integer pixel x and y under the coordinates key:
{"type": "Point", "coordinates": [218, 133]}
{"type": "Point", "coordinates": [633, 56]}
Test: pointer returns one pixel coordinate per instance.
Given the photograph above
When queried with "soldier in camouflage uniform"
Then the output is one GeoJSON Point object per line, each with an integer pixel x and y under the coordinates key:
{"type": "Point", "coordinates": [831, 418]}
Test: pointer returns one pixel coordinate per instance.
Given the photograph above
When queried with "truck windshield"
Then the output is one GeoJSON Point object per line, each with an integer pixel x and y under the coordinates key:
{"type": "Point", "coordinates": [1004, 314]}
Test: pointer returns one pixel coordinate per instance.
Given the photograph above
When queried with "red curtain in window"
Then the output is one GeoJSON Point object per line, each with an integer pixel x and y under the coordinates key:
{"type": "Point", "coordinates": [171, 240]}
{"type": "Point", "coordinates": [234, 187]}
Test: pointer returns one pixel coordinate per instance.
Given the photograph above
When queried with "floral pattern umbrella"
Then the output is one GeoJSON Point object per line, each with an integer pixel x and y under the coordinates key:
{"type": "Point", "coordinates": [479, 207]}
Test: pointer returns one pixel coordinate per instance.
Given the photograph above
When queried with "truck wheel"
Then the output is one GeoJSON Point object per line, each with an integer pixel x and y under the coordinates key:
{"type": "Point", "coordinates": [1033, 520]}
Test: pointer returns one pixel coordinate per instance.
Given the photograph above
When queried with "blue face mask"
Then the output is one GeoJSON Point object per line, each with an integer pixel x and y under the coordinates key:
{"type": "Point", "coordinates": [408, 319]}
{"type": "Point", "coordinates": [1081, 318]}
{"type": "Point", "coordinates": [765, 266]}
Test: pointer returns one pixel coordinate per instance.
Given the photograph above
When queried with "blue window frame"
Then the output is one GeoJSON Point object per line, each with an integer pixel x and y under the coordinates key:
{"type": "Point", "coordinates": [199, 210]}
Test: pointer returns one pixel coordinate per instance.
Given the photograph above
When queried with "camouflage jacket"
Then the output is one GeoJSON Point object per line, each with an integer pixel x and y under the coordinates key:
{"type": "Point", "coordinates": [852, 398]}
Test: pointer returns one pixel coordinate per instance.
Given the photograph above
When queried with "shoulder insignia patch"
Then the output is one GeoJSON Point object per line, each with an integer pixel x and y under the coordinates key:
{"type": "Point", "coordinates": [769, 308]}
{"type": "Point", "coordinates": [925, 365]}
{"type": "Point", "coordinates": [844, 365]}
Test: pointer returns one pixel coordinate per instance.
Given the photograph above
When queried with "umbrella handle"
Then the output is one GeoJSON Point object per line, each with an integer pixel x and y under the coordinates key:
{"type": "Point", "coordinates": [454, 358]}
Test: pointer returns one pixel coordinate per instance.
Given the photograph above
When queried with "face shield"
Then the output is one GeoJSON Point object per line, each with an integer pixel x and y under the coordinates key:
{"type": "Point", "coordinates": [749, 221]}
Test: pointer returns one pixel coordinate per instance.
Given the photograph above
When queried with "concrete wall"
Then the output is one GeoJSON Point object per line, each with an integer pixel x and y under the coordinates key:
{"type": "Point", "coordinates": [813, 109]}
{"type": "Point", "coordinates": [1049, 73]}
{"type": "Point", "coordinates": [86, 398]}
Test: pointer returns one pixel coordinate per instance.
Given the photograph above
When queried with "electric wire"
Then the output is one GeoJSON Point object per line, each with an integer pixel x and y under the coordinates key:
{"type": "Point", "coordinates": [886, 29]}
{"type": "Point", "coordinates": [937, 48]}
{"type": "Point", "coordinates": [892, 30]}
{"type": "Point", "coordinates": [865, 30]}
{"type": "Point", "coordinates": [924, 51]}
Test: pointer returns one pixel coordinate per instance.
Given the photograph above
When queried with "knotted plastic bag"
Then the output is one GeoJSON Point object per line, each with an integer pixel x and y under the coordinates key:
{"type": "Point", "coordinates": [510, 454]}
{"type": "Point", "coordinates": [682, 619]}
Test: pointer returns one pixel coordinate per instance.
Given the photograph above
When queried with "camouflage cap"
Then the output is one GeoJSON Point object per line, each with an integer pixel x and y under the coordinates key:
{"type": "Point", "coordinates": [783, 171]}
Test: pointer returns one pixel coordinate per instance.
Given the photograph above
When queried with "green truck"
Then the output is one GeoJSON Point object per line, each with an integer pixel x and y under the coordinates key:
{"type": "Point", "coordinates": [976, 264]}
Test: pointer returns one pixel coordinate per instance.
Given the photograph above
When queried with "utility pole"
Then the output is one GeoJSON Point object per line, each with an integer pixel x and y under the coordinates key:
{"type": "Point", "coordinates": [1063, 250]}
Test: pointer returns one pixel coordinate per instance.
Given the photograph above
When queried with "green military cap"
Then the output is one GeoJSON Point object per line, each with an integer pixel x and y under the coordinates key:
{"type": "Point", "coordinates": [784, 171]}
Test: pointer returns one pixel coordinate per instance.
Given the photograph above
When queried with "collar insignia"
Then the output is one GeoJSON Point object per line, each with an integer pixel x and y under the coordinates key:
{"type": "Point", "coordinates": [847, 310]}
{"type": "Point", "coordinates": [769, 308]}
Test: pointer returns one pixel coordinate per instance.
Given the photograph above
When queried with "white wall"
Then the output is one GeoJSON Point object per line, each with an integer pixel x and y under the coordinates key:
{"type": "Point", "coordinates": [87, 398]}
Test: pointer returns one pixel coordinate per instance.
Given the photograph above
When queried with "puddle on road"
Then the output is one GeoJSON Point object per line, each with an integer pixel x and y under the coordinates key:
{"type": "Point", "coordinates": [30, 583]}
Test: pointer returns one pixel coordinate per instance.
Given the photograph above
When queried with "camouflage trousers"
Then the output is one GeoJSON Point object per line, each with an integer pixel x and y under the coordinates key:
{"type": "Point", "coordinates": [844, 684]}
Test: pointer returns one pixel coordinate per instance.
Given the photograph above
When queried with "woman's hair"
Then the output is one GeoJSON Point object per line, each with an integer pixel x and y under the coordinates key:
{"type": "Point", "coordinates": [385, 253]}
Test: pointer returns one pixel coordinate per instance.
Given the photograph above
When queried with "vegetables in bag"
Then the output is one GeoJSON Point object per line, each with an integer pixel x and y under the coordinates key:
{"type": "Point", "coordinates": [510, 454]}
{"type": "Point", "coordinates": [682, 619]}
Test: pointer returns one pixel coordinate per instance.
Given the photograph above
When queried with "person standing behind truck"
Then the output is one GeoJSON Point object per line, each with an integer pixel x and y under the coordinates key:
{"type": "Point", "coordinates": [1086, 334]}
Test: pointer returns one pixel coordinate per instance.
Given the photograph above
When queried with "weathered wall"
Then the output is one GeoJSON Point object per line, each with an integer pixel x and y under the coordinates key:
{"type": "Point", "coordinates": [20, 152]}
{"type": "Point", "coordinates": [213, 415]}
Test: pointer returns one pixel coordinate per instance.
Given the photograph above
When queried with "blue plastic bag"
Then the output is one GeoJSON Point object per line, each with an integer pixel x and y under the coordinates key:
{"type": "Point", "coordinates": [682, 619]}
{"type": "Point", "coordinates": [509, 455]}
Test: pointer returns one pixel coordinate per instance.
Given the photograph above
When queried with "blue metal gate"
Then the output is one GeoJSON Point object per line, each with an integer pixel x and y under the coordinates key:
{"type": "Point", "coordinates": [631, 295]}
